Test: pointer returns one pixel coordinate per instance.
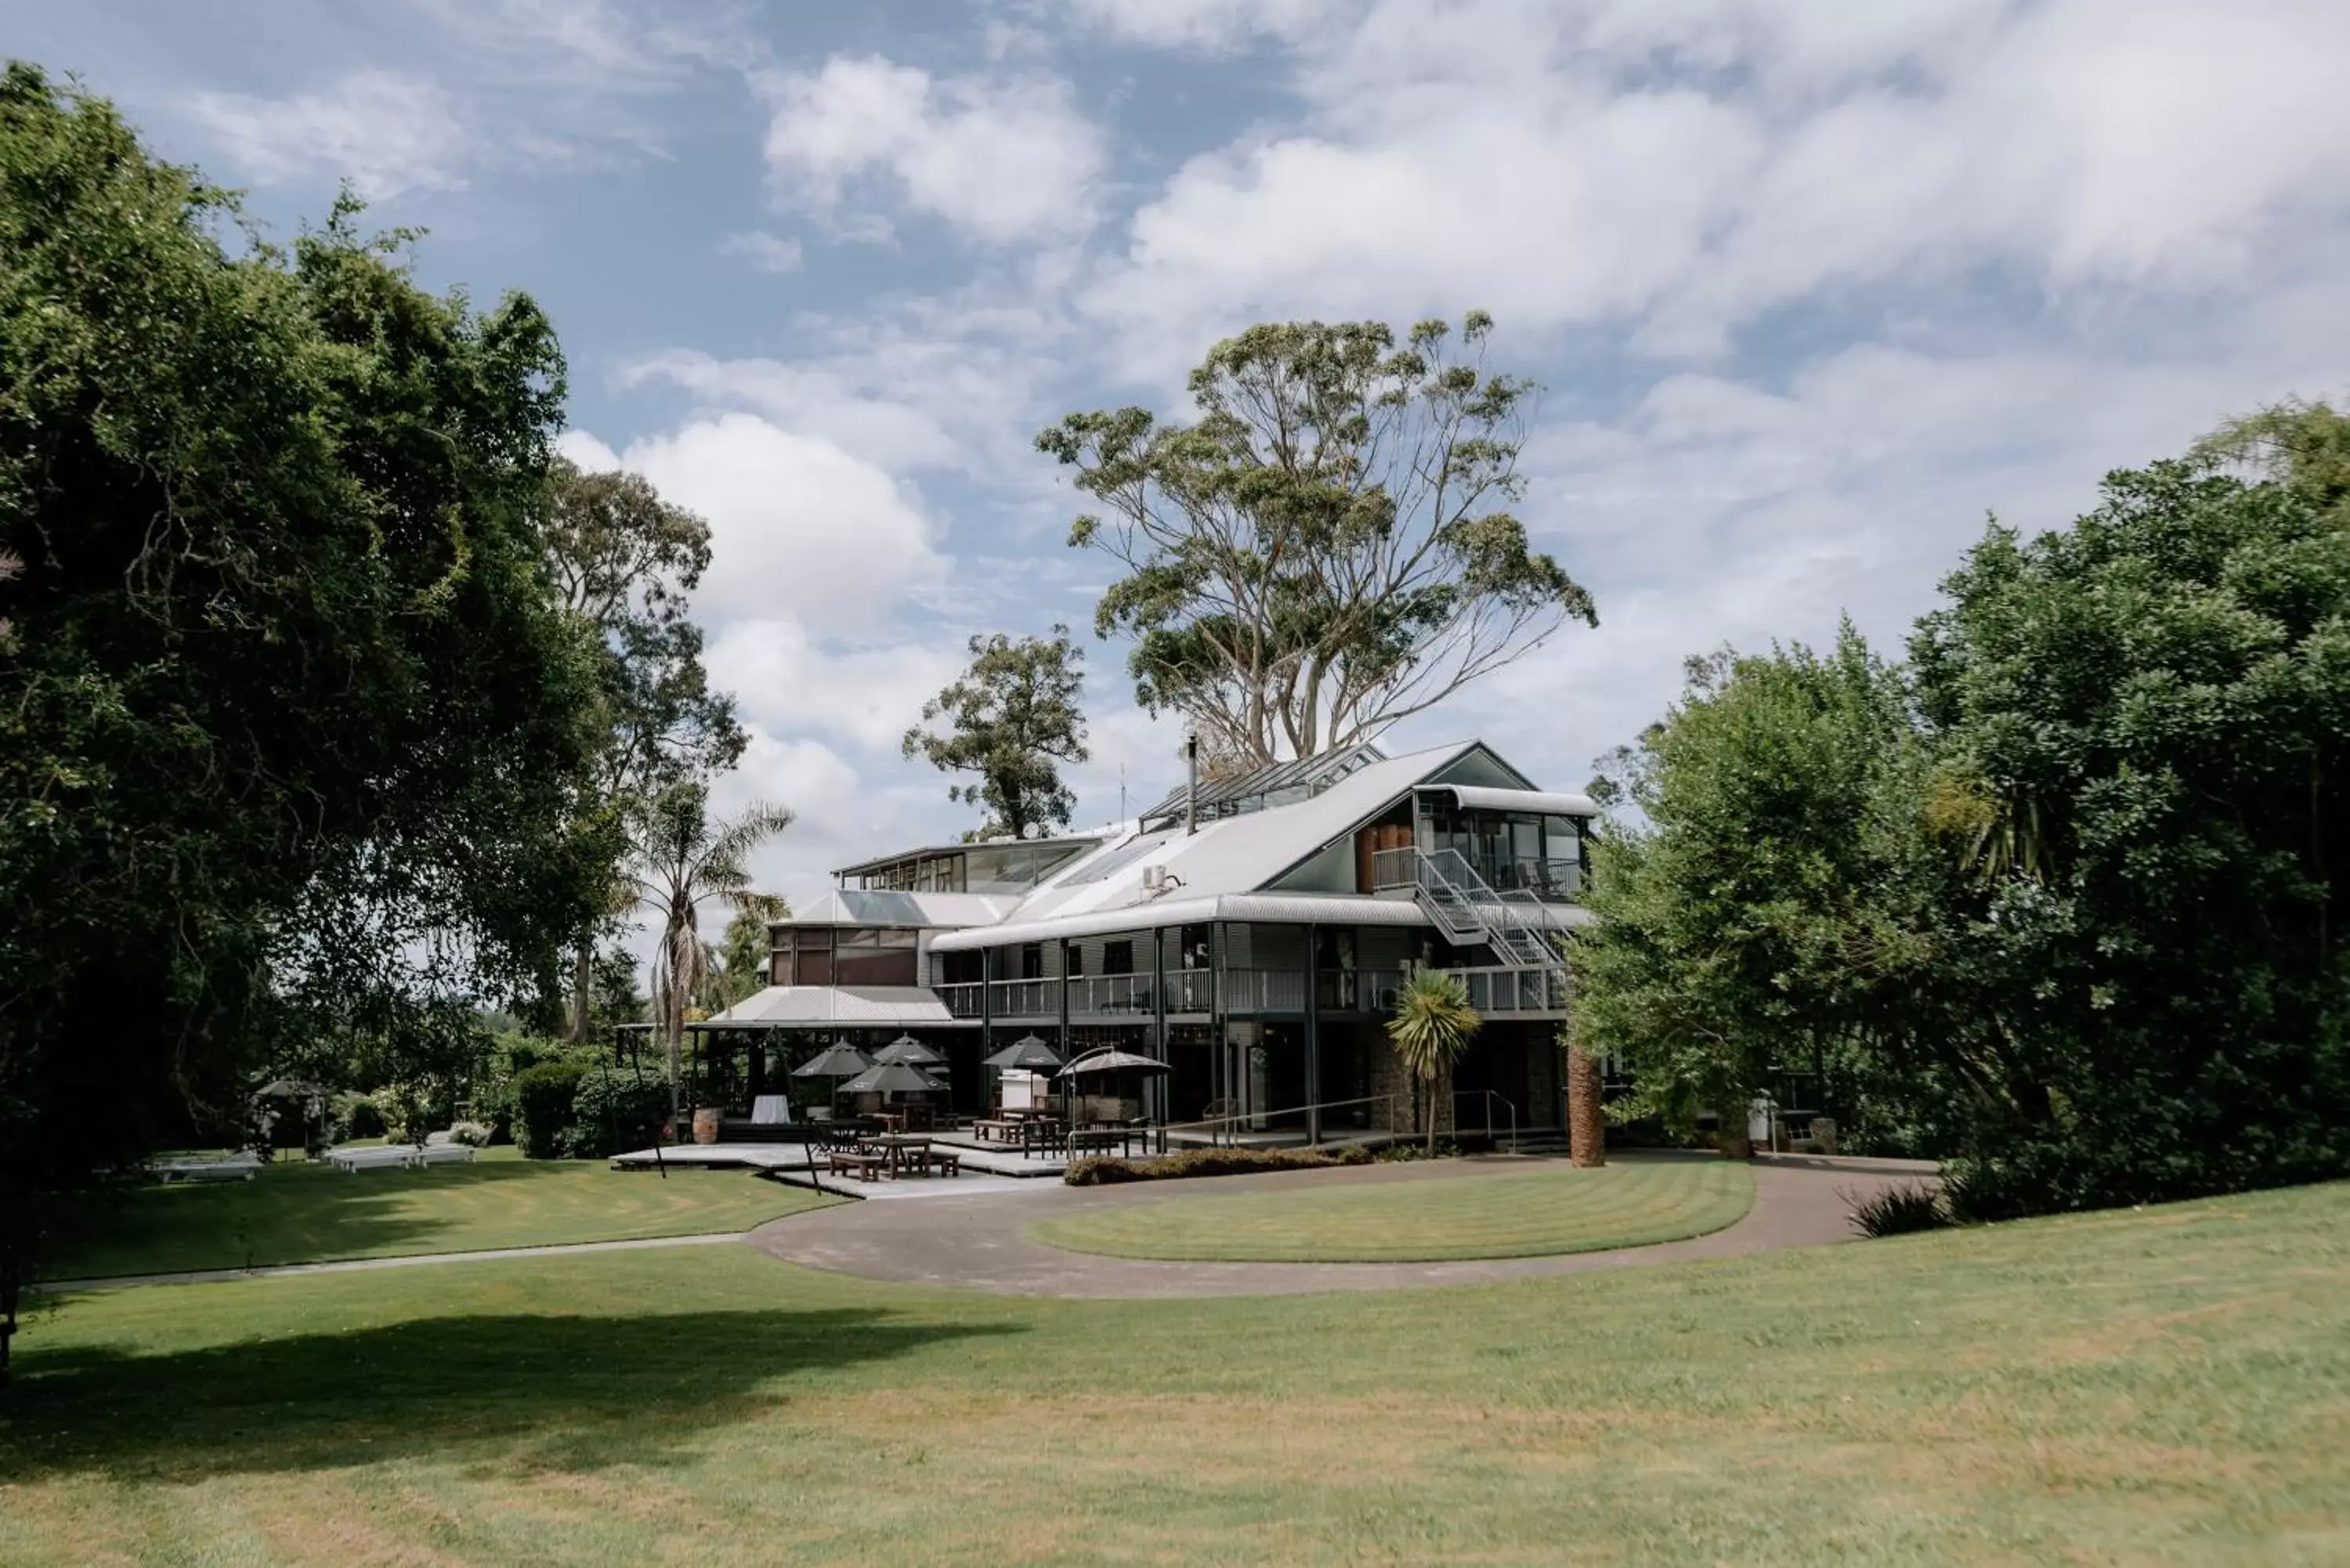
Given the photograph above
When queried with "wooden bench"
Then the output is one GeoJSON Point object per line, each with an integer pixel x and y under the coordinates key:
{"type": "Point", "coordinates": [864, 1167]}
{"type": "Point", "coordinates": [946, 1161]}
{"type": "Point", "coordinates": [996, 1131]}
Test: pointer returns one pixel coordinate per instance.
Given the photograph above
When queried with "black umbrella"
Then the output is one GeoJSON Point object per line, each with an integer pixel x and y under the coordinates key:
{"type": "Point", "coordinates": [1108, 1061]}
{"type": "Point", "coordinates": [1028, 1054]}
{"type": "Point", "coordinates": [892, 1078]}
{"type": "Point", "coordinates": [839, 1059]}
{"type": "Point", "coordinates": [911, 1050]}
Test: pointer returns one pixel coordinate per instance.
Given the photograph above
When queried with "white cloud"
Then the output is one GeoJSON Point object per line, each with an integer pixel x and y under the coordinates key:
{"type": "Point", "coordinates": [387, 132]}
{"type": "Point", "coordinates": [787, 682]}
{"type": "Point", "coordinates": [768, 253]}
{"type": "Point", "coordinates": [1204, 23]}
{"type": "Point", "coordinates": [1002, 159]}
{"type": "Point", "coordinates": [798, 526]}
{"type": "Point", "coordinates": [1687, 166]}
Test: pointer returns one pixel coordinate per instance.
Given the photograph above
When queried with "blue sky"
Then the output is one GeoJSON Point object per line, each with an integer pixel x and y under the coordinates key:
{"type": "Point", "coordinates": [1810, 286]}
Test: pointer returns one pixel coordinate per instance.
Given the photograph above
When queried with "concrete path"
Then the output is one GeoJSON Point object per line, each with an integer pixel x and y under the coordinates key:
{"type": "Point", "coordinates": [356, 1265]}
{"type": "Point", "coordinates": [981, 1242]}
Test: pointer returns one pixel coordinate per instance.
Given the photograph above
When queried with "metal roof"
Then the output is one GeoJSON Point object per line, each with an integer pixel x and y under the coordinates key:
{"type": "Point", "coordinates": [1274, 908]}
{"type": "Point", "coordinates": [878, 861]}
{"type": "Point", "coordinates": [852, 1006]}
{"type": "Point", "coordinates": [1258, 790]}
{"type": "Point", "coordinates": [859, 907]}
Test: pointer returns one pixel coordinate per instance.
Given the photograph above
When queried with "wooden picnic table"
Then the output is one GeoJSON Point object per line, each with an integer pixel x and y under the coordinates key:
{"type": "Point", "coordinates": [856, 1163]}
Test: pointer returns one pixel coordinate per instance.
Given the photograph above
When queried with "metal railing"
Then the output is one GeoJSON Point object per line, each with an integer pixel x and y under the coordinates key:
{"type": "Point", "coordinates": [1491, 1098]}
{"type": "Point", "coordinates": [1221, 1128]}
{"type": "Point", "coordinates": [963, 998]}
{"type": "Point", "coordinates": [1500, 992]}
{"type": "Point", "coordinates": [1469, 908]}
{"type": "Point", "coordinates": [1547, 878]}
{"type": "Point", "coordinates": [1025, 998]}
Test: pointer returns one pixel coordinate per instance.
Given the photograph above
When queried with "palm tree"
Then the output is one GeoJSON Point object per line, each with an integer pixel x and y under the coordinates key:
{"type": "Point", "coordinates": [1586, 1115]}
{"type": "Point", "coordinates": [679, 859]}
{"type": "Point", "coordinates": [1431, 1027]}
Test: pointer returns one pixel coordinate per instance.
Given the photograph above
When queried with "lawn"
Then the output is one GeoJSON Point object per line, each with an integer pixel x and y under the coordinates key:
{"type": "Point", "coordinates": [1513, 1214]}
{"type": "Point", "coordinates": [300, 1212]}
{"type": "Point", "coordinates": [2169, 1385]}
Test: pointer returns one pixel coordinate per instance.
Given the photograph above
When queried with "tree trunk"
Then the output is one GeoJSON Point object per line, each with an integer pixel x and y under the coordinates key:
{"type": "Point", "coordinates": [1586, 1122]}
{"type": "Point", "coordinates": [582, 983]}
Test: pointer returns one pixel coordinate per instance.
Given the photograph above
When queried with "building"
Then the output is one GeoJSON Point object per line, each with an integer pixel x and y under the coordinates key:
{"type": "Point", "coordinates": [1252, 937]}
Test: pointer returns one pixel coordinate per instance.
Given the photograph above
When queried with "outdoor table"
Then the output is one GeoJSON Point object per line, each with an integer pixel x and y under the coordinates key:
{"type": "Point", "coordinates": [896, 1146]}
{"type": "Point", "coordinates": [893, 1120]}
{"type": "Point", "coordinates": [995, 1131]}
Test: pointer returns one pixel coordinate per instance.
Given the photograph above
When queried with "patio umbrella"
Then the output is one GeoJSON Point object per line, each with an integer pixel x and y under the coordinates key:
{"type": "Point", "coordinates": [892, 1078]}
{"type": "Point", "coordinates": [837, 1061]}
{"type": "Point", "coordinates": [1111, 1060]}
{"type": "Point", "coordinates": [1028, 1054]}
{"type": "Point", "coordinates": [911, 1050]}
{"type": "Point", "coordinates": [1108, 1060]}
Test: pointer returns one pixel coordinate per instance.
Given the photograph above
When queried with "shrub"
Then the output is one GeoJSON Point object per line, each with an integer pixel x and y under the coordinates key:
{"type": "Point", "coordinates": [475, 1135]}
{"type": "Point", "coordinates": [1899, 1210]}
{"type": "Point", "coordinates": [1108, 1170]}
{"type": "Point", "coordinates": [357, 1116]}
{"type": "Point", "coordinates": [543, 1112]}
{"type": "Point", "coordinates": [616, 1108]}
{"type": "Point", "coordinates": [1445, 1150]}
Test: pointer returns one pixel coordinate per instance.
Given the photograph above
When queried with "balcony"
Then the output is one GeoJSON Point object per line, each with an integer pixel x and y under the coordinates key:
{"type": "Point", "coordinates": [1514, 993]}
{"type": "Point", "coordinates": [1188, 991]}
{"type": "Point", "coordinates": [963, 998]}
{"type": "Point", "coordinates": [1553, 881]}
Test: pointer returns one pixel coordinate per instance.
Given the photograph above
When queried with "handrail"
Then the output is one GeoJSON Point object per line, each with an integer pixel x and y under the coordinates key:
{"type": "Point", "coordinates": [1225, 1122]}
{"type": "Point", "coordinates": [1491, 1095]}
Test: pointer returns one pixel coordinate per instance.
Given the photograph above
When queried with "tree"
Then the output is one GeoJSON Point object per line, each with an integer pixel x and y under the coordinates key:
{"type": "Point", "coordinates": [1586, 1112]}
{"type": "Point", "coordinates": [1328, 549]}
{"type": "Point", "coordinates": [626, 563]}
{"type": "Point", "coordinates": [1012, 719]}
{"type": "Point", "coordinates": [1721, 949]}
{"type": "Point", "coordinates": [746, 955]}
{"type": "Point", "coordinates": [678, 860]}
{"type": "Point", "coordinates": [2061, 899]}
{"type": "Point", "coordinates": [292, 732]}
{"type": "Point", "coordinates": [2139, 723]}
{"type": "Point", "coordinates": [1432, 1026]}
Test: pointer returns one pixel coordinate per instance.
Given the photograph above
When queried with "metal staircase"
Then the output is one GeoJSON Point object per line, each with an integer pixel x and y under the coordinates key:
{"type": "Point", "coordinates": [1467, 908]}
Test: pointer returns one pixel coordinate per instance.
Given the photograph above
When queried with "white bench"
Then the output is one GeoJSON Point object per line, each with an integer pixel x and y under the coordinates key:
{"type": "Point", "coordinates": [442, 1154]}
{"type": "Point", "coordinates": [232, 1167]}
{"type": "Point", "coordinates": [380, 1157]}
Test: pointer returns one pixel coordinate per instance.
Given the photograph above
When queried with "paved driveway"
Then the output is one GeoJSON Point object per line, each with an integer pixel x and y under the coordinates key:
{"type": "Point", "coordinates": [980, 1241]}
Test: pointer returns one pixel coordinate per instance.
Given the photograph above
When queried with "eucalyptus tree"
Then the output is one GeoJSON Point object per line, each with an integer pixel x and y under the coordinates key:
{"type": "Point", "coordinates": [625, 563]}
{"type": "Point", "coordinates": [1012, 719]}
{"type": "Point", "coordinates": [679, 858]}
{"type": "Point", "coordinates": [1329, 547]}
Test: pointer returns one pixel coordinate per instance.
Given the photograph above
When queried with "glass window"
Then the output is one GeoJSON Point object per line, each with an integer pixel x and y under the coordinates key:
{"type": "Point", "coordinates": [813, 965]}
{"type": "Point", "coordinates": [1118, 957]}
{"type": "Point", "coordinates": [1076, 959]}
{"type": "Point", "coordinates": [1031, 960]}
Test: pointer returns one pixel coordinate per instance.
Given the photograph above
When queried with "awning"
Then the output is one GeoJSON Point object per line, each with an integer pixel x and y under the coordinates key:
{"type": "Point", "coordinates": [1542, 803]}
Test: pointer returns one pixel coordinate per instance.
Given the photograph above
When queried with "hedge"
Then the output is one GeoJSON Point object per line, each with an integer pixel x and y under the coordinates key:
{"type": "Point", "coordinates": [543, 1111]}
{"type": "Point", "coordinates": [1109, 1171]}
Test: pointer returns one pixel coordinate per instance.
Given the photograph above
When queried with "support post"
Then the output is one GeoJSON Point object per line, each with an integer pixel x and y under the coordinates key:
{"type": "Point", "coordinates": [1313, 1038]}
{"type": "Point", "coordinates": [1160, 1089]}
{"type": "Point", "coordinates": [1068, 1051]}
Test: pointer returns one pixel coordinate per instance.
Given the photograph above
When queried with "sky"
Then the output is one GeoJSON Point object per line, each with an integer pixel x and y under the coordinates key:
{"type": "Point", "coordinates": [1810, 288]}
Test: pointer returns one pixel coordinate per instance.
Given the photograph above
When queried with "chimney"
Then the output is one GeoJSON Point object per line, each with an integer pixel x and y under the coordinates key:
{"type": "Point", "coordinates": [1191, 795]}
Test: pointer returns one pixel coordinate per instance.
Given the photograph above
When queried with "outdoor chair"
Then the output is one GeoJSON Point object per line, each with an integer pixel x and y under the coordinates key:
{"type": "Point", "coordinates": [442, 1154]}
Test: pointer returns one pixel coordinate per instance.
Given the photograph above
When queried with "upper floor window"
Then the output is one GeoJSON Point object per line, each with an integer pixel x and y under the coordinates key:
{"type": "Point", "coordinates": [1118, 957]}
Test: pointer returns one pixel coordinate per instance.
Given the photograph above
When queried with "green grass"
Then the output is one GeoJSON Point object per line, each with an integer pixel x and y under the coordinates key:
{"type": "Point", "coordinates": [2170, 1385]}
{"type": "Point", "coordinates": [1513, 1214]}
{"type": "Point", "coordinates": [301, 1212]}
